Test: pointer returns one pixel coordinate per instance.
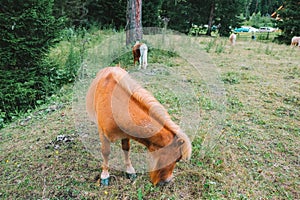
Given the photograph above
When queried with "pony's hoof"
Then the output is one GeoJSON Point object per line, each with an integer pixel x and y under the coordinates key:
{"type": "Point", "coordinates": [105, 182]}
{"type": "Point", "coordinates": [132, 177]}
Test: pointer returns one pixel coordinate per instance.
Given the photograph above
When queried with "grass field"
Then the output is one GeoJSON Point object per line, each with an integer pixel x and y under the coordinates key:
{"type": "Point", "coordinates": [260, 36]}
{"type": "Point", "coordinates": [256, 155]}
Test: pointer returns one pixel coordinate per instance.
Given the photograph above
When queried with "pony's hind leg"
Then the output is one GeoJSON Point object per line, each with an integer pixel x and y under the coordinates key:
{"type": "Point", "coordinates": [145, 61]}
{"type": "Point", "coordinates": [140, 62]}
{"type": "Point", "coordinates": [130, 172]}
{"type": "Point", "coordinates": [105, 150]}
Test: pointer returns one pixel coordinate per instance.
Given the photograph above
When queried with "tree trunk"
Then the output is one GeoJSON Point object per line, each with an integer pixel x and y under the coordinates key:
{"type": "Point", "coordinates": [211, 17]}
{"type": "Point", "coordinates": [134, 31]}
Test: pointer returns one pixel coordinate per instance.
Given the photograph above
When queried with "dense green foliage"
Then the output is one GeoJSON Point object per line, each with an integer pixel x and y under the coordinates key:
{"type": "Point", "coordinates": [28, 30]}
{"type": "Point", "coordinates": [176, 15]}
{"type": "Point", "coordinates": [24, 89]}
{"type": "Point", "coordinates": [151, 13]}
{"type": "Point", "coordinates": [265, 7]}
{"type": "Point", "coordinates": [228, 15]}
{"type": "Point", "coordinates": [257, 21]}
{"type": "Point", "coordinates": [223, 14]}
{"type": "Point", "coordinates": [182, 14]}
{"type": "Point", "coordinates": [107, 13]}
{"type": "Point", "coordinates": [290, 20]}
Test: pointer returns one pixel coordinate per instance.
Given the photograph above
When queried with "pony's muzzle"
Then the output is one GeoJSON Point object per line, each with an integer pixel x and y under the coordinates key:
{"type": "Point", "coordinates": [165, 182]}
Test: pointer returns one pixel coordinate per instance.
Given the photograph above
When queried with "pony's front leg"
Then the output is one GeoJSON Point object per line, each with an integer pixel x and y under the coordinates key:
{"type": "Point", "coordinates": [130, 172]}
{"type": "Point", "coordinates": [105, 150]}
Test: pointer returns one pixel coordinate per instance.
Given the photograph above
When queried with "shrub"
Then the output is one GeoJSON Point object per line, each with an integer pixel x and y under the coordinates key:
{"type": "Point", "coordinates": [28, 29]}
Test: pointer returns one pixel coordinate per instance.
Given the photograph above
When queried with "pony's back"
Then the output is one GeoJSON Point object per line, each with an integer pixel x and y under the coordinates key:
{"type": "Point", "coordinates": [119, 105]}
{"type": "Point", "coordinates": [102, 80]}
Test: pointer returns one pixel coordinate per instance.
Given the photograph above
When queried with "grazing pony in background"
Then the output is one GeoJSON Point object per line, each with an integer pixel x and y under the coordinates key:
{"type": "Point", "coordinates": [140, 51]}
{"type": "Point", "coordinates": [295, 41]}
{"type": "Point", "coordinates": [123, 110]}
{"type": "Point", "coordinates": [232, 39]}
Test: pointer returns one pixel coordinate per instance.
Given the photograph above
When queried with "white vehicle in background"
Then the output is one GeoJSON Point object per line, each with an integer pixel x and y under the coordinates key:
{"type": "Point", "coordinates": [253, 30]}
{"type": "Point", "coordinates": [266, 29]}
{"type": "Point", "coordinates": [250, 29]}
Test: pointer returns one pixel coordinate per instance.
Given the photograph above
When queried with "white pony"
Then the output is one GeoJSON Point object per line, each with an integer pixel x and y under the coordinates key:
{"type": "Point", "coordinates": [143, 57]}
{"type": "Point", "coordinates": [295, 41]}
{"type": "Point", "coordinates": [140, 51]}
{"type": "Point", "coordinates": [232, 39]}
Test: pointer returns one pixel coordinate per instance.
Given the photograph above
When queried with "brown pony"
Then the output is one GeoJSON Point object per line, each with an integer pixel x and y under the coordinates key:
{"type": "Point", "coordinates": [136, 52]}
{"type": "Point", "coordinates": [123, 110]}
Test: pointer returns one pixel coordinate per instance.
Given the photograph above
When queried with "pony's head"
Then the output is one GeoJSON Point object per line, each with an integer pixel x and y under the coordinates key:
{"type": "Point", "coordinates": [164, 160]}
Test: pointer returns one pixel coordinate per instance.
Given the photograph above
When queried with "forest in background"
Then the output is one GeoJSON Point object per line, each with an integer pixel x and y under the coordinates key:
{"type": "Point", "coordinates": [29, 28]}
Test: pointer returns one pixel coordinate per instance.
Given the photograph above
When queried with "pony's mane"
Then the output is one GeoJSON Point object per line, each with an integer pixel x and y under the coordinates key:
{"type": "Point", "coordinates": [158, 112]}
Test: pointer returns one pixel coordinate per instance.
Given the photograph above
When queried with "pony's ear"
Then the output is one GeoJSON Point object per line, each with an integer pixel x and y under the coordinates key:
{"type": "Point", "coordinates": [118, 65]}
{"type": "Point", "coordinates": [185, 148]}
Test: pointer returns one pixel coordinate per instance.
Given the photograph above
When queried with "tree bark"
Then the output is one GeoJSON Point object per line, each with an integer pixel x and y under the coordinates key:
{"type": "Point", "coordinates": [211, 17]}
{"type": "Point", "coordinates": [134, 31]}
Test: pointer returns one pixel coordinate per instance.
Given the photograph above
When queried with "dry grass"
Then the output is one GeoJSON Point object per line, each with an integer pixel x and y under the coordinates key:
{"type": "Point", "coordinates": [256, 157]}
{"type": "Point", "coordinates": [261, 138]}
